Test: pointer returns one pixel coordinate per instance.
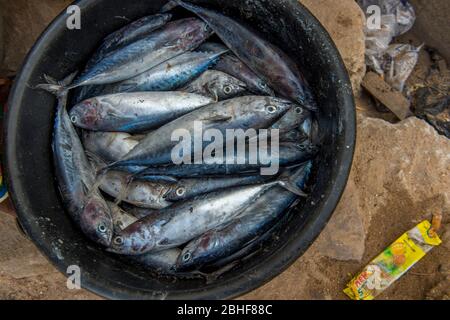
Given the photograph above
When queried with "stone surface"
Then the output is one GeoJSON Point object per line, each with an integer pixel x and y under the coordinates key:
{"type": "Point", "coordinates": [400, 176]}
{"type": "Point", "coordinates": [24, 22]}
{"type": "Point", "coordinates": [344, 237]}
{"type": "Point", "coordinates": [407, 164]}
{"type": "Point", "coordinates": [344, 21]}
{"type": "Point", "coordinates": [432, 24]}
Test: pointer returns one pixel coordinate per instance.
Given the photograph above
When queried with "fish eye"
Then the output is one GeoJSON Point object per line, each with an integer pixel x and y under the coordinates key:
{"type": "Point", "coordinates": [272, 109]}
{"type": "Point", "coordinates": [73, 119]}
{"type": "Point", "coordinates": [187, 256]}
{"type": "Point", "coordinates": [181, 191]}
{"type": "Point", "coordinates": [102, 228]}
{"type": "Point", "coordinates": [118, 241]}
{"type": "Point", "coordinates": [298, 110]}
{"type": "Point", "coordinates": [227, 89]}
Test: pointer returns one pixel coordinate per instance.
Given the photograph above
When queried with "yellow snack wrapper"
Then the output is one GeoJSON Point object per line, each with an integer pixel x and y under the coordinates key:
{"type": "Point", "coordinates": [393, 262]}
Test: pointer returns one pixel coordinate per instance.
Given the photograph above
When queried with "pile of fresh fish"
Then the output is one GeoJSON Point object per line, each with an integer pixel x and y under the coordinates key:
{"type": "Point", "coordinates": [113, 148]}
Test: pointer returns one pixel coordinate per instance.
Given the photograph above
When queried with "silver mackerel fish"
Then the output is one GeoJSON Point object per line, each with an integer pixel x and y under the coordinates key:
{"type": "Point", "coordinates": [250, 112]}
{"type": "Point", "coordinates": [76, 177]}
{"type": "Point", "coordinates": [185, 221]}
{"type": "Point", "coordinates": [134, 112]}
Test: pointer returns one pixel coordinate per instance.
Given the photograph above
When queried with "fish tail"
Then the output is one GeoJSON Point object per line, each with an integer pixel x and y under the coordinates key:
{"type": "Point", "coordinates": [309, 101]}
{"type": "Point", "coordinates": [95, 187]}
{"type": "Point", "coordinates": [169, 6]}
{"type": "Point", "coordinates": [100, 176]}
{"type": "Point", "coordinates": [158, 178]}
{"type": "Point", "coordinates": [290, 181]}
{"type": "Point", "coordinates": [107, 168]}
{"type": "Point", "coordinates": [123, 193]}
{"type": "Point", "coordinates": [57, 88]}
{"type": "Point", "coordinates": [53, 89]}
{"type": "Point", "coordinates": [187, 6]}
{"type": "Point", "coordinates": [219, 54]}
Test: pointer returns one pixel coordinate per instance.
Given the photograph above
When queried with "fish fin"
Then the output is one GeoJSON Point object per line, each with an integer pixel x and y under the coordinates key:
{"type": "Point", "coordinates": [107, 168]}
{"type": "Point", "coordinates": [292, 187]}
{"type": "Point", "coordinates": [57, 88]}
{"type": "Point", "coordinates": [95, 160]}
{"type": "Point", "coordinates": [123, 193]}
{"type": "Point", "coordinates": [91, 190]}
{"type": "Point", "coordinates": [214, 95]}
{"type": "Point", "coordinates": [128, 87]}
{"type": "Point", "coordinates": [157, 178]}
{"type": "Point", "coordinates": [212, 277]}
{"type": "Point", "coordinates": [289, 181]}
{"type": "Point", "coordinates": [136, 137]}
{"type": "Point", "coordinates": [101, 173]}
{"type": "Point", "coordinates": [217, 118]}
{"type": "Point", "coordinates": [169, 6]}
{"type": "Point", "coordinates": [170, 46]}
{"type": "Point", "coordinates": [50, 80]}
{"type": "Point", "coordinates": [52, 88]}
{"type": "Point", "coordinates": [187, 6]}
{"type": "Point", "coordinates": [219, 54]}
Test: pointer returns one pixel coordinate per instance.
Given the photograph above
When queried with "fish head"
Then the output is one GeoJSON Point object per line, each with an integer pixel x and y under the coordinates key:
{"type": "Point", "coordinates": [293, 119]}
{"type": "Point", "coordinates": [175, 193]}
{"type": "Point", "coordinates": [310, 128]}
{"type": "Point", "coordinates": [136, 239]}
{"type": "Point", "coordinates": [228, 87]}
{"type": "Point", "coordinates": [298, 150]}
{"type": "Point", "coordinates": [270, 107]}
{"type": "Point", "coordinates": [85, 114]}
{"type": "Point", "coordinates": [121, 244]}
{"type": "Point", "coordinates": [191, 256]}
{"type": "Point", "coordinates": [263, 87]}
{"type": "Point", "coordinates": [96, 221]}
{"type": "Point", "coordinates": [303, 95]}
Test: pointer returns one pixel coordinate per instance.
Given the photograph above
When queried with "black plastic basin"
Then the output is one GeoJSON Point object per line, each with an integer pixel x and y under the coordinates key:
{"type": "Point", "coordinates": [30, 170]}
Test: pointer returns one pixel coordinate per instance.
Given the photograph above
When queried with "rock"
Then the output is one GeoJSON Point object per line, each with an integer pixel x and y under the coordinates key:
{"type": "Point", "coordinates": [431, 25]}
{"type": "Point", "coordinates": [22, 25]}
{"type": "Point", "coordinates": [344, 21]}
{"type": "Point", "coordinates": [343, 238]}
{"type": "Point", "coordinates": [407, 164]}
{"type": "Point", "coordinates": [400, 177]}
{"type": "Point", "coordinates": [408, 160]}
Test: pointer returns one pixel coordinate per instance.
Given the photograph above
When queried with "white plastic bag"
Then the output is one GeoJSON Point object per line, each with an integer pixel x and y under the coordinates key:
{"type": "Point", "coordinates": [394, 62]}
{"type": "Point", "coordinates": [399, 61]}
{"type": "Point", "coordinates": [398, 14]}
